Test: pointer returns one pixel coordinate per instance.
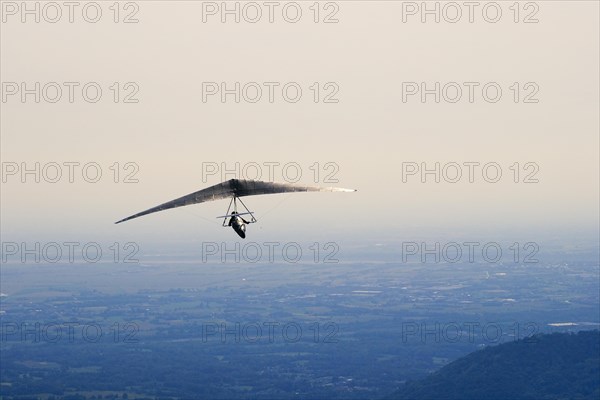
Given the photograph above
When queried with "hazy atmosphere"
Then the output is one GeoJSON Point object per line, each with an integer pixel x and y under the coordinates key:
{"type": "Point", "coordinates": [370, 58]}
{"type": "Point", "coordinates": [463, 127]}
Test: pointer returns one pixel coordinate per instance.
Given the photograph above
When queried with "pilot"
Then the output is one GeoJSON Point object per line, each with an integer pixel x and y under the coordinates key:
{"type": "Point", "coordinates": [233, 215]}
{"type": "Point", "coordinates": [238, 224]}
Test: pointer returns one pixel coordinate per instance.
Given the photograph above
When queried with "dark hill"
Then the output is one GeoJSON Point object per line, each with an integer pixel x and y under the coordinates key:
{"type": "Point", "coordinates": [553, 366]}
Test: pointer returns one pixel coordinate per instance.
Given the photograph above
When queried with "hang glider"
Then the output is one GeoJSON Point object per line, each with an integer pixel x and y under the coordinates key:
{"type": "Point", "coordinates": [234, 189]}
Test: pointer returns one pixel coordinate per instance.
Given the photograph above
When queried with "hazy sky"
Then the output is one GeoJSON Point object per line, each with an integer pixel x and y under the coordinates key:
{"type": "Point", "coordinates": [370, 61]}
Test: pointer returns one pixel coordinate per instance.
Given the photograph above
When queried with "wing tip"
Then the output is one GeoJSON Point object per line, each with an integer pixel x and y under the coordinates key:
{"type": "Point", "coordinates": [348, 190]}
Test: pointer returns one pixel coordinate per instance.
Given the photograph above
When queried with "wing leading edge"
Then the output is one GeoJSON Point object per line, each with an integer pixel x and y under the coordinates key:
{"type": "Point", "coordinates": [234, 187]}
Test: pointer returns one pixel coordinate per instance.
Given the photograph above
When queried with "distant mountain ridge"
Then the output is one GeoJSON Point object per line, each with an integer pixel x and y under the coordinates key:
{"type": "Point", "coordinates": [544, 366]}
